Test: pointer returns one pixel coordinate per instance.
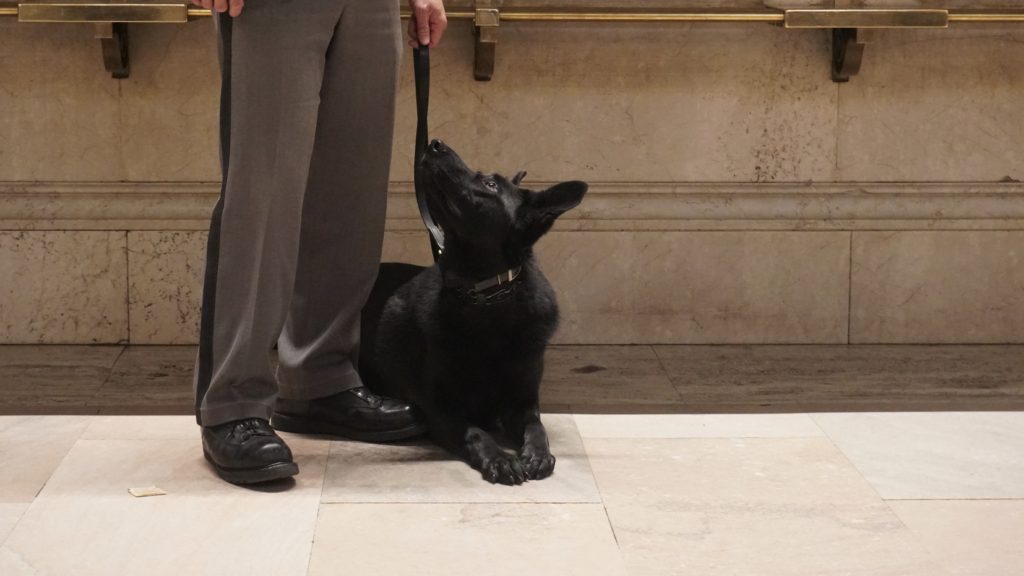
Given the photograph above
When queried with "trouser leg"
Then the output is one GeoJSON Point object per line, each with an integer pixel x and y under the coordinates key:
{"type": "Point", "coordinates": [344, 209]}
{"type": "Point", "coordinates": [273, 58]}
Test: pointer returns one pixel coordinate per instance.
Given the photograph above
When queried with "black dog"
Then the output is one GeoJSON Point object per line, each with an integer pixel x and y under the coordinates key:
{"type": "Point", "coordinates": [464, 339]}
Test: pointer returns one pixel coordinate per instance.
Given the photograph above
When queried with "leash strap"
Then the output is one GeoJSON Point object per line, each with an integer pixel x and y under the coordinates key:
{"type": "Point", "coordinates": [421, 66]}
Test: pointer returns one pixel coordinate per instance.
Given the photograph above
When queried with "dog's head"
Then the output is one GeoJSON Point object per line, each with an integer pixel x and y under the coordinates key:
{"type": "Point", "coordinates": [489, 209]}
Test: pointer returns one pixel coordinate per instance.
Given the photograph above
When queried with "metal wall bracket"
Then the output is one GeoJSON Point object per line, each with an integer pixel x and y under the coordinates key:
{"type": "Point", "coordinates": [113, 38]}
{"type": "Point", "coordinates": [847, 53]}
{"type": "Point", "coordinates": [110, 20]}
{"type": "Point", "coordinates": [486, 21]}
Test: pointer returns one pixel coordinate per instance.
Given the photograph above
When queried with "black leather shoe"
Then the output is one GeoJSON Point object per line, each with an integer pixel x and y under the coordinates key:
{"type": "Point", "coordinates": [357, 414]}
{"type": "Point", "coordinates": [247, 451]}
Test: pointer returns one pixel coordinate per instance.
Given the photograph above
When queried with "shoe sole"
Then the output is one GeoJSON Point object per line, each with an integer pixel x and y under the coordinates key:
{"type": "Point", "coordinates": [269, 473]}
{"type": "Point", "coordinates": [301, 425]}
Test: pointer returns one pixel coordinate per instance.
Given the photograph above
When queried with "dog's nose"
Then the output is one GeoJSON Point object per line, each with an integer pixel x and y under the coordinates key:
{"type": "Point", "coordinates": [437, 145]}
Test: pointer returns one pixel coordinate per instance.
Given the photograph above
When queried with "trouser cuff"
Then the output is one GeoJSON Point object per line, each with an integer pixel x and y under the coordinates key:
{"type": "Point", "coordinates": [214, 415]}
{"type": "Point", "coordinates": [308, 387]}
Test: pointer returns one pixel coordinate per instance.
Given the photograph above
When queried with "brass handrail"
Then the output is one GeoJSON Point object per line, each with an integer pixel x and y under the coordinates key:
{"type": "Point", "coordinates": [985, 18]}
{"type": "Point", "coordinates": [776, 17]}
{"type": "Point", "coordinates": [769, 17]}
{"type": "Point", "coordinates": [111, 18]}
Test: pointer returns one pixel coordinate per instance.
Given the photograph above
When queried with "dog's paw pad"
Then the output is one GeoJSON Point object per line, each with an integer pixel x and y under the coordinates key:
{"type": "Point", "coordinates": [538, 466]}
{"type": "Point", "coordinates": [504, 469]}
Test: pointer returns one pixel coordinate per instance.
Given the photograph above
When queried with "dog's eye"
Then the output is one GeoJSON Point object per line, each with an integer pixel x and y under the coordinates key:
{"type": "Point", "coordinates": [491, 184]}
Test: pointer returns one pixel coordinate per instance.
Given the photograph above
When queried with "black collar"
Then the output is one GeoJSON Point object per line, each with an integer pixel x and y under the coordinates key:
{"type": "Point", "coordinates": [489, 290]}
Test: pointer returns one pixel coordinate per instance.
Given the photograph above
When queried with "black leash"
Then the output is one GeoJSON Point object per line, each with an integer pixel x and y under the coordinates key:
{"type": "Point", "coordinates": [421, 65]}
{"type": "Point", "coordinates": [482, 292]}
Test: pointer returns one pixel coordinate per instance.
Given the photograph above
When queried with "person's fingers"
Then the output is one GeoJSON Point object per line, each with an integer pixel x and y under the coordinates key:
{"type": "Point", "coordinates": [208, 4]}
{"type": "Point", "coordinates": [220, 5]}
{"type": "Point", "coordinates": [438, 24]}
{"type": "Point", "coordinates": [197, 2]}
{"type": "Point", "coordinates": [411, 32]}
{"type": "Point", "coordinates": [236, 7]}
{"type": "Point", "coordinates": [422, 15]}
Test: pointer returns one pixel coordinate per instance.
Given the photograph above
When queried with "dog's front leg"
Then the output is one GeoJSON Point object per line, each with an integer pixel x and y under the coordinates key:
{"type": "Point", "coordinates": [477, 446]}
{"type": "Point", "coordinates": [535, 453]}
{"type": "Point", "coordinates": [496, 465]}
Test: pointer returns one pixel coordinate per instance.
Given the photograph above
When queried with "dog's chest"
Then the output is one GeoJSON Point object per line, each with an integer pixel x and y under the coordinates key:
{"type": "Point", "coordinates": [498, 369]}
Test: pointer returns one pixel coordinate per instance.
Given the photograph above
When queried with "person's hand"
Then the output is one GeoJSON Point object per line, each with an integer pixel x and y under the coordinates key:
{"type": "Point", "coordinates": [427, 24]}
{"type": "Point", "coordinates": [232, 7]}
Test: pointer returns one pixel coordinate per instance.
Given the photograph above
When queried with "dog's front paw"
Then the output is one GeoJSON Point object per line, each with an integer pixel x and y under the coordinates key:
{"type": "Point", "coordinates": [503, 468]}
{"type": "Point", "coordinates": [539, 464]}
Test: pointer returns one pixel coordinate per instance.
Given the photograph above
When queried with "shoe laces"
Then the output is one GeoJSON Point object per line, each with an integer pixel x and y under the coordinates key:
{"type": "Point", "coordinates": [249, 427]}
{"type": "Point", "coordinates": [364, 394]}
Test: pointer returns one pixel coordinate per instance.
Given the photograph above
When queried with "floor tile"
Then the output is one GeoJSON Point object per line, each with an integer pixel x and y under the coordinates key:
{"type": "Point", "coordinates": [754, 506]}
{"type": "Point", "coordinates": [141, 428]}
{"type": "Point", "coordinates": [85, 522]}
{"type": "Point", "coordinates": [912, 455]}
{"type": "Point", "coordinates": [9, 516]}
{"type": "Point", "coordinates": [968, 537]}
{"type": "Point", "coordinates": [604, 375]}
{"type": "Point", "coordinates": [53, 376]}
{"type": "Point", "coordinates": [846, 378]}
{"type": "Point", "coordinates": [13, 565]}
{"type": "Point", "coordinates": [149, 376]}
{"type": "Point", "coordinates": [696, 426]}
{"type": "Point", "coordinates": [465, 539]}
{"type": "Point", "coordinates": [31, 447]}
{"type": "Point", "coordinates": [423, 472]}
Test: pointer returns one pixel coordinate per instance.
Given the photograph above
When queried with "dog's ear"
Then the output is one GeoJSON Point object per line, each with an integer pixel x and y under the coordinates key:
{"type": "Point", "coordinates": [518, 178]}
{"type": "Point", "coordinates": [540, 209]}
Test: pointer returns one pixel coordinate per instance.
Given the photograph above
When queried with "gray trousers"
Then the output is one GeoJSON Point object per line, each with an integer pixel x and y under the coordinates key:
{"type": "Point", "coordinates": [307, 115]}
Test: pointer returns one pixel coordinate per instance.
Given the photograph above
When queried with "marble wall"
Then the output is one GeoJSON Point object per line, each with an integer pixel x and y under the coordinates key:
{"type": "Point", "coordinates": [739, 196]}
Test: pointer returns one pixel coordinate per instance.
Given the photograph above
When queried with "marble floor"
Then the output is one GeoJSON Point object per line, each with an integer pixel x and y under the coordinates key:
{"type": "Point", "coordinates": [937, 490]}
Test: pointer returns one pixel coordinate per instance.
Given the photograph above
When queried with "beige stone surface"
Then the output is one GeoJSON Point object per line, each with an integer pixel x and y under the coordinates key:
{"type": "Point", "coordinates": [719, 102]}
{"type": "Point", "coordinates": [61, 115]}
{"type": "Point", "coordinates": [609, 206]}
{"type": "Point", "coordinates": [408, 247]}
{"type": "Point", "coordinates": [170, 106]}
{"type": "Point", "coordinates": [747, 506]}
{"type": "Point", "coordinates": [202, 526]}
{"type": "Point", "coordinates": [63, 287]}
{"type": "Point", "coordinates": [935, 105]}
{"type": "Point", "coordinates": [421, 471]}
{"type": "Point", "coordinates": [967, 537]}
{"type": "Point", "coordinates": [165, 274]}
{"type": "Point", "coordinates": [696, 426]}
{"type": "Point", "coordinates": [457, 539]}
{"type": "Point", "coordinates": [9, 516]}
{"type": "Point", "coordinates": [32, 447]}
{"type": "Point", "coordinates": [939, 287]}
{"type": "Point", "coordinates": [933, 455]}
{"type": "Point", "coordinates": [13, 565]}
{"type": "Point", "coordinates": [678, 287]}
{"type": "Point", "coordinates": [765, 114]}
{"type": "Point", "coordinates": [699, 287]}
{"type": "Point", "coordinates": [67, 119]}
{"type": "Point", "coordinates": [141, 428]}
{"type": "Point", "coordinates": [634, 102]}
{"type": "Point", "coordinates": [673, 505]}
{"type": "Point", "coordinates": [159, 428]}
